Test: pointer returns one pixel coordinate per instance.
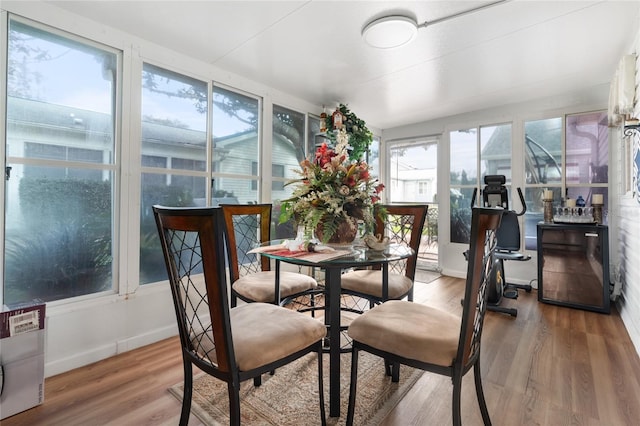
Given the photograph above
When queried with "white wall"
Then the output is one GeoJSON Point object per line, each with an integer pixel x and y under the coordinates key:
{"type": "Point", "coordinates": [628, 239]}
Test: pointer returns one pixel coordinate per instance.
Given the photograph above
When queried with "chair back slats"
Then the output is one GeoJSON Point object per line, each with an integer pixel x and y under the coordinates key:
{"type": "Point", "coordinates": [484, 224]}
{"type": "Point", "coordinates": [192, 244]}
{"type": "Point", "coordinates": [247, 225]}
{"type": "Point", "coordinates": [403, 225]}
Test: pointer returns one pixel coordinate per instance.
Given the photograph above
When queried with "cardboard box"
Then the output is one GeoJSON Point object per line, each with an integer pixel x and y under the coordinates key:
{"type": "Point", "coordinates": [21, 358]}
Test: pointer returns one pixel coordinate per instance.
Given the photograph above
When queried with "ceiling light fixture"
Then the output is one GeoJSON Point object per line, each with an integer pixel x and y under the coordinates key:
{"type": "Point", "coordinates": [397, 30]}
{"type": "Point", "coordinates": [390, 31]}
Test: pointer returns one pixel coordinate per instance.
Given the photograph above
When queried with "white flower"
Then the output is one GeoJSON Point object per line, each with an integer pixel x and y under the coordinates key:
{"type": "Point", "coordinates": [342, 142]}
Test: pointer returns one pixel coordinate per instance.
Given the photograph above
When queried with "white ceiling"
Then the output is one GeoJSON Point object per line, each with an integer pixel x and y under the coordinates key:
{"type": "Point", "coordinates": [512, 52]}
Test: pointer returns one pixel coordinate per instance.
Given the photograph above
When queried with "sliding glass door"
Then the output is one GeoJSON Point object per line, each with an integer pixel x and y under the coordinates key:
{"type": "Point", "coordinates": [413, 178]}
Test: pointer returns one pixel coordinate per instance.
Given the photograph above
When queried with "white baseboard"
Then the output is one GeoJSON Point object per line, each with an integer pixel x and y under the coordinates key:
{"type": "Point", "coordinates": [105, 351]}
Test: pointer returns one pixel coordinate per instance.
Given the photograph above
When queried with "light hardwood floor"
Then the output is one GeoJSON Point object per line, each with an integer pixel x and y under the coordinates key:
{"type": "Point", "coordinates": [549, 366]}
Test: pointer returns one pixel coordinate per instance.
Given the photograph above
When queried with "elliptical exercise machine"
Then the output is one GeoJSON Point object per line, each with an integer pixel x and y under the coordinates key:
{"type": "Point", "coordinates": [495, 194]}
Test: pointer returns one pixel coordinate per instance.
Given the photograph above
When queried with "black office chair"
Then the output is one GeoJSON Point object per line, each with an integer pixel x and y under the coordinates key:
{"type": "Point", "coordinates": [495, 194]}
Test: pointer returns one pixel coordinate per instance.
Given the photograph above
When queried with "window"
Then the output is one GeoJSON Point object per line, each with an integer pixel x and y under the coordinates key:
{"type": "Point", "coordinates": [288, 148]}
{"type": "Point", "coordinates": [422, 187]}
{"type": "Point", "coordinates": [59, 211]}
{"type": "Point", "coordinates": [314, 137]}
{"type": "Point", "coordinates": [51, 152]}
{"type": "Point", "coordinates": [373, 157]}
{"type": "Point", "coordinates": [475, 153]}
{"type": "Point", "coordinates": [174, 155]}
{"type": "Point", "coordinates": [236, 146]}
{"type": "Point", "coordinates": [577, 169]}
{"type": "Point", "coordinates": [413, 169]}
{"type": "Point", "coordinates": [277, 170]}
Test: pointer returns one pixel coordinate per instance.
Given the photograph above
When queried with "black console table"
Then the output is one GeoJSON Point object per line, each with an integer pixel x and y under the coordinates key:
{"type": "Point", "coordinates": [573, 265]}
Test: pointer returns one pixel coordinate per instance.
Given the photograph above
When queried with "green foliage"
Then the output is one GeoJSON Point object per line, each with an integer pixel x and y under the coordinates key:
{"type": "Point", "coordinates": [152, 266]}
{"type": "Point", "coordinates": [66, 250]}
{"type": "Point", "coordinates": [360, 137]}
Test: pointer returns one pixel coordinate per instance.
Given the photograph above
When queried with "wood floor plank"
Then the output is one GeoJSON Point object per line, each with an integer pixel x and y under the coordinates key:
{"type": "Point", "coordinates": [551, 365]}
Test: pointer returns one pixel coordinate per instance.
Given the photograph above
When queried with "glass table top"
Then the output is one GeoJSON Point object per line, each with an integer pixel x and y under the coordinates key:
{"type": "Point", "coordinates": [342, 256]}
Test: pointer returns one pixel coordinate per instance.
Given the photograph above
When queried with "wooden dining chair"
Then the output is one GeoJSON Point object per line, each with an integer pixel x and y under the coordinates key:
{"type": "Point", "coordinates": [252, 280]}
{"type": "Point", "coordinates": [403, 224]}
{"type": "Point", "coordinates": [231, 344]}
{"type": "Point", "coordinates": [429, 338]}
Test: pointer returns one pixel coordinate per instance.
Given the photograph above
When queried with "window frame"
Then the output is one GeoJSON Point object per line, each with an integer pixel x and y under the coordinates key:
{"type": "Point", "coordinates": [112, 168]}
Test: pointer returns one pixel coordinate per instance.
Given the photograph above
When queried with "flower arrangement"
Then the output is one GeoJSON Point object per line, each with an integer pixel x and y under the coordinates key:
{"type": "Point", "coordinates": [332, 190]}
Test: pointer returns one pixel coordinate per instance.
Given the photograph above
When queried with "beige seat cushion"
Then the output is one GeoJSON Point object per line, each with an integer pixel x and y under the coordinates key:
{"type": "Point", "coordinates": [370, 282]}
{"type": "Point", "coordinates": [410, 330]}
{"type": "Point", "coordinates": [260, 286]}
{"type": "Point", "coordinates": [264, 333]}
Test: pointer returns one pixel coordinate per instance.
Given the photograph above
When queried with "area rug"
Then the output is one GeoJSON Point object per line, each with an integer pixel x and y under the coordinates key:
{"type": "Point", "coordinates": [290, 397]}
{"type": "Point", "coordinates": [426, 276]}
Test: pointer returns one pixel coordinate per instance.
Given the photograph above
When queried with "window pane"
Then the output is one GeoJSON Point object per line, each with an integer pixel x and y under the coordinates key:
{"type": "Point", "coordinates": [373, 157]}
{"type": "Point", "coordinates": [174, 119]}
{"type": "Point", "coordinates": [587, 143]}
{"type": "Point", "coordinates": [460, 214]}
{"type": "Point", "coordinates": [154, 161]}
{"type": "Point", "coordinates": [174, 138]}
{"type": "Point", "coordinates": [288, 148]}
{"type": "Point", "coordinates": [543, 170]}
{"type": "Point", "coordinates": [464, 157]}
{"type": "Point", "coordinates": [313, 135]}
{"type": "Point", "coordinates": [44, 90]}
{"type": "Point", "coordinates": [58, 236]}
{"type": "Point", "coordinates": [543, 151]}
{"type": "Point", "coordinates": [495, 151]}
{"type": "Point", "coordinates": [413, 173]}
{"type": "Point", "coordinates": [463, 179]}
{"type": "Point", "coordinates": [235, 131]}
{"type": "Point", "coordinates": [167, 190]}
{"type": "Point", "coordinates": [234, 191]}
{"type": "Point", "coordinates": [58, 217]}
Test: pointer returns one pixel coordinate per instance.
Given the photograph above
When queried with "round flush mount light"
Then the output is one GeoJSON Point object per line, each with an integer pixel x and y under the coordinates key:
{"type": "Point", "coordinates": [390, 31]}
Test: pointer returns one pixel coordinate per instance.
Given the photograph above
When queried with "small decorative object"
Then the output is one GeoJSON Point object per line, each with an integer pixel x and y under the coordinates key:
{"type": "Point", "coordinates": [597, 214]}
{"type": "Point", "coordinates": [580, 201]}
{"type": "Point", "coordinates": [547, 200]}
{"type": "Point", "coordinates": [336, 118]}
{"type": "Point", "coordinates": [597, 201]}
{"type": "Point", "coordinates": [574, 215]}
{"type": "Point", "coordinates": [570, 202]}
{"type": "Point", "coordinates": [548, 211]}
{"type": "Point", "coordinates": [377, 243]}
{"type": "Point", "coordinates": [323, 122]}
{"type": "Point", "coordinates": [332, 193]}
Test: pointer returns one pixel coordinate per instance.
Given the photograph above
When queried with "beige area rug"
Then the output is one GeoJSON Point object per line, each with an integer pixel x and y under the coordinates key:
{"type": "Point", "coordinates": [426, 276]}
{"type": "Point", "coordinates": [290, 397]}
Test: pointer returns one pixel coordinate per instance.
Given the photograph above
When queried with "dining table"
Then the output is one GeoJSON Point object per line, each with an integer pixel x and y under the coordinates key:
{"type": "Point", "coordinates": [334, 263]}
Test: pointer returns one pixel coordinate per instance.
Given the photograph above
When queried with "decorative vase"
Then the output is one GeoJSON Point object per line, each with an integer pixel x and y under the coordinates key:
{"type": "Point", "coordinates": [344, 235]}
{"type": "Point", "coordinates": [548, 211]}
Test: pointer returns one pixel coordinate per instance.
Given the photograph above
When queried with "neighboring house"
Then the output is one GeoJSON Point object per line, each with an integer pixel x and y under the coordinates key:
{"type": "Point", "coordinates": [84, 135]}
